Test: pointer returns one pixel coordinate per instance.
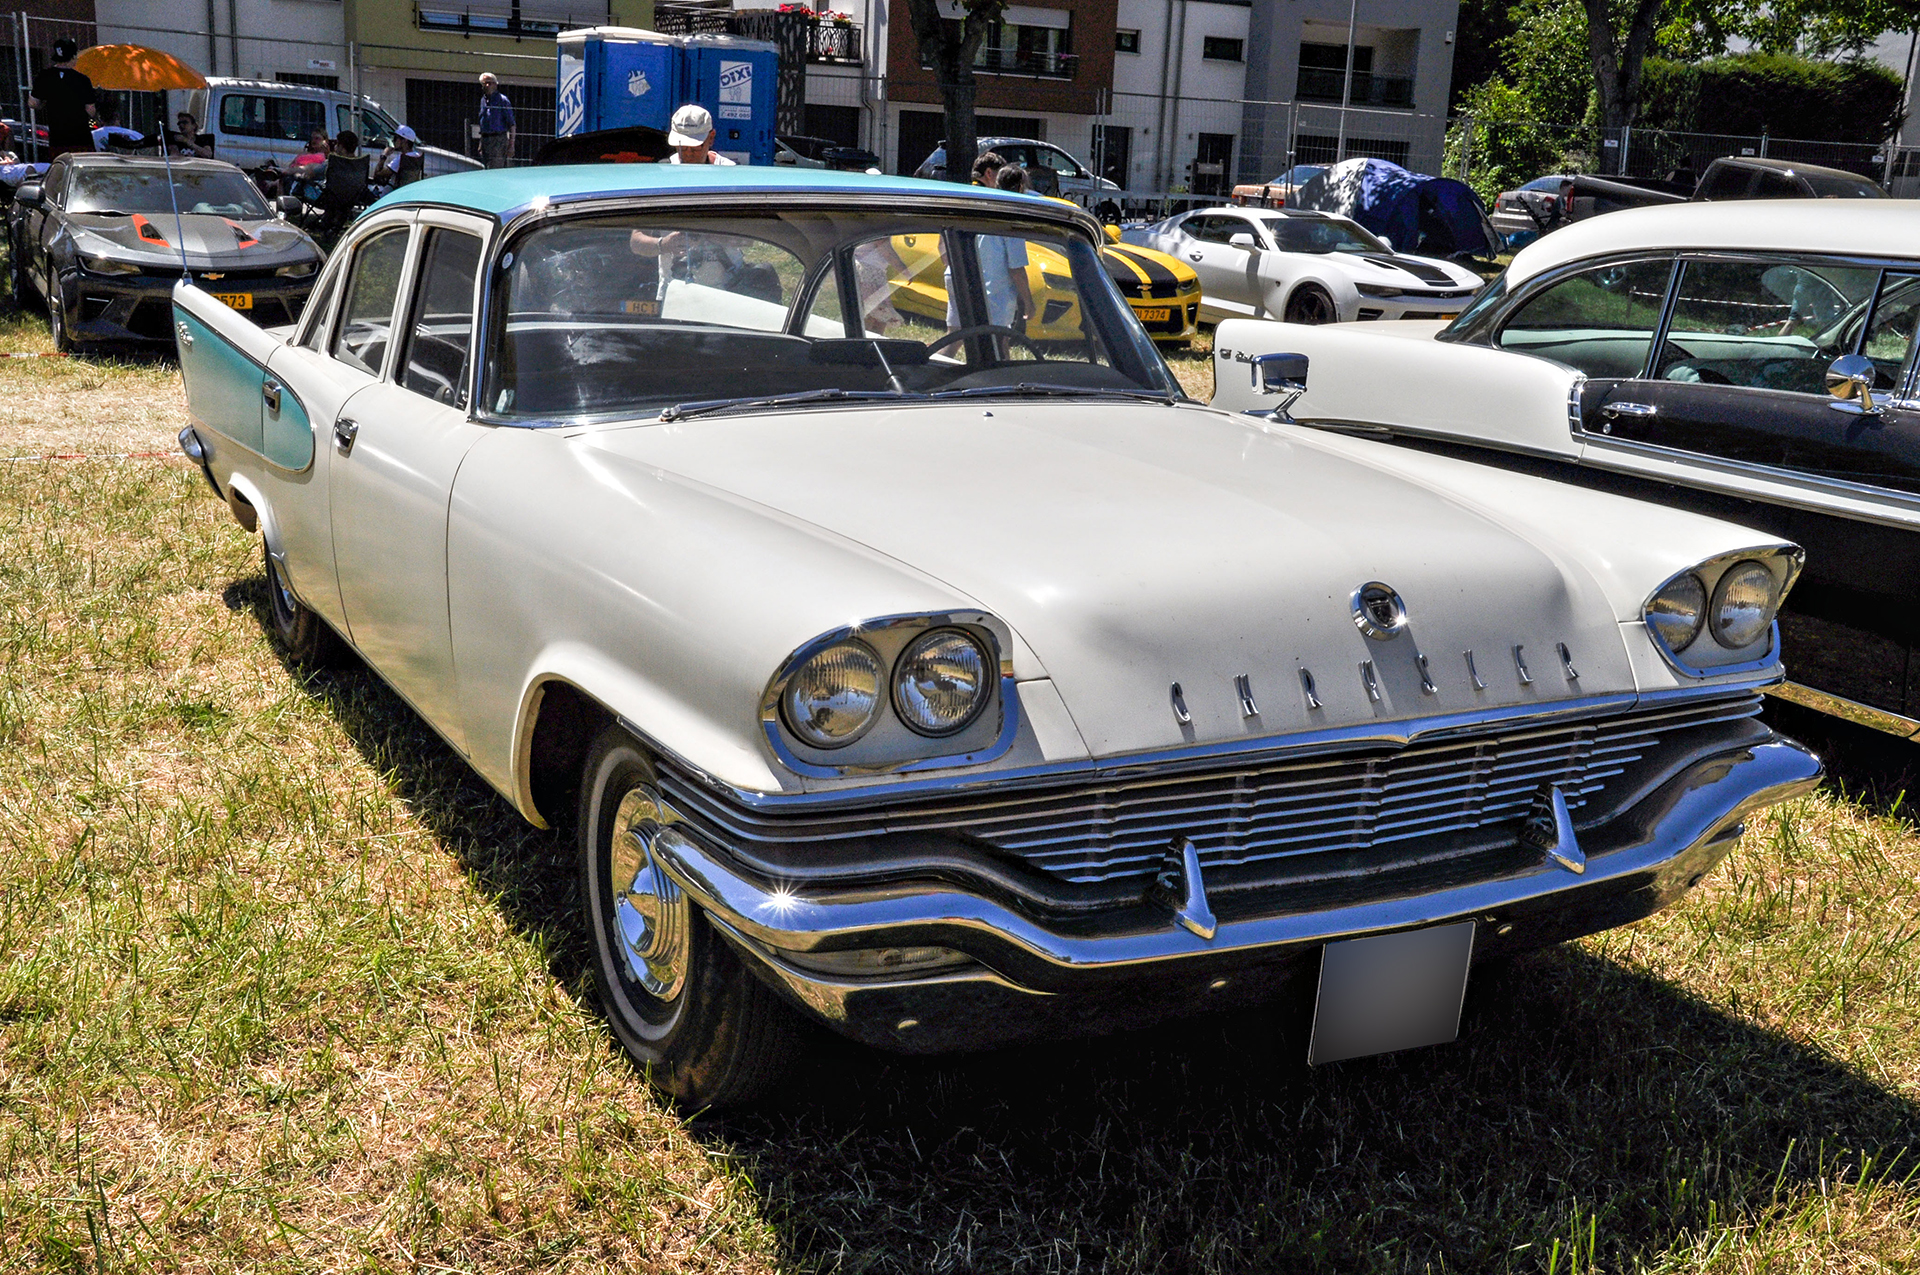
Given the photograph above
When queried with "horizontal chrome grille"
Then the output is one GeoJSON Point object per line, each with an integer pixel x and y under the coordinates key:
{"type": "Point", "coordinates": [1330, 816]}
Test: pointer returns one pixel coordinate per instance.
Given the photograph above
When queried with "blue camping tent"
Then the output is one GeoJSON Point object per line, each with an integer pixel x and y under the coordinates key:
{"type": "Point", "coordinates": [1431, 216]}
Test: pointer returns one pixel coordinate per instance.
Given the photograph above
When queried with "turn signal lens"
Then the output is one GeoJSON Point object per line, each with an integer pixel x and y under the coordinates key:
{"type": "Point", "coordinates": [943, 680]}
{"type": "Point", "coordinates": [833, 698]}
{"type": "Point", "coordinates": [1679, 611]}
{"type": "Point", "coordinates": [1744, 602]}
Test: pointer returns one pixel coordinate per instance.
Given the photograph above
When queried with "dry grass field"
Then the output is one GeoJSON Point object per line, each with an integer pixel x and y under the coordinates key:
{"type": "Point", "coordinates": [283, 987]}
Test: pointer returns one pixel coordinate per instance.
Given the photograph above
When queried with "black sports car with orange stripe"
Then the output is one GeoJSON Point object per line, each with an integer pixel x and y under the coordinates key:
{"type": "Point", "coordinates": [103, 238]}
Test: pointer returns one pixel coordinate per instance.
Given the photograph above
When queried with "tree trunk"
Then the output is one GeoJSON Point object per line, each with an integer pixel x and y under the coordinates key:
{"type": "Point", "coordinates": [1618, 64]}
{"type": "Point", "coordinates": [953, 65]}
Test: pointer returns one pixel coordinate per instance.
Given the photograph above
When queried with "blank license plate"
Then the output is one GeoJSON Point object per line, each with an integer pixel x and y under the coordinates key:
{"type": "Point", "coordinates": [237, 300]}
{"type": "Point", "coordinates": [1391, 992]}
{"type": "Point", "coordinates": [1155, 314]}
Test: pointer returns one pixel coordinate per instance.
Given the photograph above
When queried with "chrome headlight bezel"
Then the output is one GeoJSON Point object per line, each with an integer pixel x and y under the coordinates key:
{"type": "Point", "coordinates": [1706, 654]}
{"type": "Point", "coordinates": [889, 745]}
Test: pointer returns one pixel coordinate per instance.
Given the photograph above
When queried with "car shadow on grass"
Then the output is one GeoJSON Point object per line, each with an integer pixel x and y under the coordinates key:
{"type": "Point", "coordinates": [1586, 1104]}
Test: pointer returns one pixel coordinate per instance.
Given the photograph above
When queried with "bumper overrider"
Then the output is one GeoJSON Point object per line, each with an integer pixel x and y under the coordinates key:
{"type": "Point", "coordinates": [1003, 956]}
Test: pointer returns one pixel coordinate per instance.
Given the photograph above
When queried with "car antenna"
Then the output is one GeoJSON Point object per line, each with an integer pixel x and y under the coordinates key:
{"type": "Point", "coordinates": [173, 193]}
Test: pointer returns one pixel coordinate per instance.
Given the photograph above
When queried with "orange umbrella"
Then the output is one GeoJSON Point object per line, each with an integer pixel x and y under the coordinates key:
{"type": "Point", "coordinates": [134, 66]}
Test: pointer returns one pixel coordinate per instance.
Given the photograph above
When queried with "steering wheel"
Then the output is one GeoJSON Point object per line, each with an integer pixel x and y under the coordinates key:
{"type": "Point", "coordinates": [982, 329]}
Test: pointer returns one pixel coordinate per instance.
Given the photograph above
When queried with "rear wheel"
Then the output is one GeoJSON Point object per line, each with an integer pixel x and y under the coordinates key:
{"type": "Point", "coordinates": [1310, 304]}
{"type": "Point", "coordinates": [310, 641]}
{"type": "Point", "coordinates": [708, 1033]}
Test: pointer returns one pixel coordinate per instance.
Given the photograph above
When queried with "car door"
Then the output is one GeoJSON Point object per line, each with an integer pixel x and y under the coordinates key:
{"type": "Point", "coordinates": [1228, 275]}
{"type": "Point", "coordinates": [37, 220]}
{"type": "Point", "coordinates": [307, 369]}
{"type": "Point", "coordinates": [1738, 383]}
{"type": "Point", "coordinates": [397, 448]}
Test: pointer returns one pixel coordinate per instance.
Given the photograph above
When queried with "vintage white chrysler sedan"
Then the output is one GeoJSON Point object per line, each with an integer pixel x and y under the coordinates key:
{"type": "Point", "coordinates": [950, 686]}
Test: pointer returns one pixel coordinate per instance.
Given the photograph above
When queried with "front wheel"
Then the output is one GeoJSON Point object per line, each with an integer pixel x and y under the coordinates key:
{"type": "Point", "coordinates": [1310, 304]}
{"type": "Point", "coordinates": [708, 1033]}
{"type": "Point", "coordinates": [57, 317]}
{"type": "Point", "coordinates": [310, 642]}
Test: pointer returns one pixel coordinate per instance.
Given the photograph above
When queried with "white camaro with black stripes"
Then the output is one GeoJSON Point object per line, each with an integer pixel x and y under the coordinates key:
{"type": "Point", "coordinates": [1304, 267]}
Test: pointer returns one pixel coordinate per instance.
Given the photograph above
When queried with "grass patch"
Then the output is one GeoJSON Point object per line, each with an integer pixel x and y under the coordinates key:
{"type": "Point", "coordinates": [284, 987]}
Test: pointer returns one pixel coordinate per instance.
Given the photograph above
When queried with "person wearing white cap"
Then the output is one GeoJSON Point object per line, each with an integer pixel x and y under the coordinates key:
{"type": "Point", "coordinates": [401, 163]}
{"type": "Point", "coordinates": [692, 137]}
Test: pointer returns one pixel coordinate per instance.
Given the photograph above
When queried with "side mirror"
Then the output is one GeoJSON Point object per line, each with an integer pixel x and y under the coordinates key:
{"type": "Point", "coordinates": [28, 194]}
{"type": "Point", "coordinates": [1388, 242]}
{"type": "Point", "coordinates": [288, 206]}
{"type": "Point", "coordinates": [1113, 232]}
{"type": "Point", "coordinates": [1850, 381]}
{"type": "Point", "coordinates": [1284, 375]}
{"type": "Point", "coordinates": [1243, 241]}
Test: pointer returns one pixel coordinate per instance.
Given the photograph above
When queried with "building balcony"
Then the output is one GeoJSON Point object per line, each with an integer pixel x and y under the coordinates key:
{"type": "Point", "coordinates": [1322, 84]}
{"type": "Point", "coordinates": [838, 42]}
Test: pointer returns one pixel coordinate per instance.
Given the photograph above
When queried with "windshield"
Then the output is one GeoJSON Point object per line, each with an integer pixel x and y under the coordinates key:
{"type": "Point", "coordinates": [138, 190]}
{"type": "Point", "coordinates": [1318, 234]}
{"type": "Point", "coordinates": [636, 313]}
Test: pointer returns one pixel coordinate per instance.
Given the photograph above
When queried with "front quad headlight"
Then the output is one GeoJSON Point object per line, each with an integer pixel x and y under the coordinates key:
{"type": "Point", "coordinates": [941, 682]}
{"type": "Point", "coordinates": [834, 697]}
{"type": "Point", "coordinates": [106, 265]}
{"type": "Point", "coordinates": [898, 693]}
{"type": "Point", "coordinates": [1719, 615]}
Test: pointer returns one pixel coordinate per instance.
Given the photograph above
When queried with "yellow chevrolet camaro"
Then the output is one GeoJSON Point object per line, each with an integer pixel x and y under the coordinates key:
{"type": "Point", "coordinates": [1163, 293]}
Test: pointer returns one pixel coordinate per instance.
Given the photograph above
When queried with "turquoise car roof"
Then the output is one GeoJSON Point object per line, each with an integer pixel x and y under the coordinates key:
{"type": "Point", "coordinates": [501, 190]}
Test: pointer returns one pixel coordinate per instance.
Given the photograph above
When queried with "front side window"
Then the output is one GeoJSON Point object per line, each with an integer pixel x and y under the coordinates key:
{"type": "Point", "coordinates": [441, 335]}
{"type": "Point", "coordinates": [1763, 324]}
{"type": "Point", "coordinates": [635, 314]}
{"type": "Point", "coordinates": [373, 287]}
{"type": "Point", "coordinates": [1599, 321]}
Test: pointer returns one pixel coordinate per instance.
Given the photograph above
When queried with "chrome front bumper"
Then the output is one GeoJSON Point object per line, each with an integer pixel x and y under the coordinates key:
{"type": "Point", "coordinates": [1031, 978]}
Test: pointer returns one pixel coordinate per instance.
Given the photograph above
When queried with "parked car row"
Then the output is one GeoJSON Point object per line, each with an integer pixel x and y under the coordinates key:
{"type": "Point", "coordinates": [948, 684]}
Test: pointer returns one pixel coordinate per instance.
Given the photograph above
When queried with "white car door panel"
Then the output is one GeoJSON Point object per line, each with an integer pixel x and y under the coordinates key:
{"type": "Point", "coordinates": [396, 448]}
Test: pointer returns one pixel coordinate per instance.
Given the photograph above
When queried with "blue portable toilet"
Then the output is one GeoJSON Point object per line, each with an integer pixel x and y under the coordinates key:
{"type": "Point", "coordinates": [613, 77]}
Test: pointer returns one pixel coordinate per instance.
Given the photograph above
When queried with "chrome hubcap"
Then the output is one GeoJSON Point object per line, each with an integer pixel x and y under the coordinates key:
{"type": "Point", "coordinates": [649, 911]}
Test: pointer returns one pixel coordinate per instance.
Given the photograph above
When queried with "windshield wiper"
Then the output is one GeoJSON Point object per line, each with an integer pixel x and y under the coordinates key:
{"type": "Point", "coordinates": [708, 407]}
{"type": "Point", "coordinates": [1028, 389]}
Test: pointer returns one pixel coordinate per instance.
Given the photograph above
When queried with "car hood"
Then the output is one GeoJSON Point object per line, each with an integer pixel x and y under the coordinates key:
{"type": "Point", "coordinates": [1400, 269]}
{"type": "Point", "coordinates": [238, 243]}
{"type": "Point", "coordinates": [1131, 547]}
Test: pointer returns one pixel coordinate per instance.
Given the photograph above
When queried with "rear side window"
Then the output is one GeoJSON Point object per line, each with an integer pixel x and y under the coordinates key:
{"type": "Point", "coordinates": [1765, 325]}
{"type": "Point", "coordinates": [441, 339]}
{"type": "Point", "coordinates": [373, 286]}
{"type": "Point", "coordinates": [1726, 182]}
{"type": "Point", "coordinates": [1775, 186]}
{"type": "Point", "coordinates": [286, 119]}
{"type": "Point", "coordinates": [1600, 321]}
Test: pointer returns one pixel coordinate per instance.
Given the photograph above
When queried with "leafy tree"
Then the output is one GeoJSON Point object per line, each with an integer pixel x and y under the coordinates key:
{"type": "Point", "coordinates": [951, 46]}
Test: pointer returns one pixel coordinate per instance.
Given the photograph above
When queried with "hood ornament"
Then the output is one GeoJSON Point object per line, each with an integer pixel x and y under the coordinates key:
{"type": "Point", "coordinates": [1378, 611]}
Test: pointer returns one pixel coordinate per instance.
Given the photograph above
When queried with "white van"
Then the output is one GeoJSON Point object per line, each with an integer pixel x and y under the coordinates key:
{"type": "Point", "coordinates": [254, 121]}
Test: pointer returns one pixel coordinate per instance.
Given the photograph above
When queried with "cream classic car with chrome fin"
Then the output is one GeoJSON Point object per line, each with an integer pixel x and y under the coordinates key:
{"type": "Point", "coordinates": [900, 672]}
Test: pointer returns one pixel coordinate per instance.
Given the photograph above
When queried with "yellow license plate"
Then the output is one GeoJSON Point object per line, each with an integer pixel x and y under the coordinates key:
{"type": "Point", "coordinates": [645, 309]}
{"type": "Point", "coordinates": [1155, 314]}
{"type": "Point", "coordinates": [237, 300]}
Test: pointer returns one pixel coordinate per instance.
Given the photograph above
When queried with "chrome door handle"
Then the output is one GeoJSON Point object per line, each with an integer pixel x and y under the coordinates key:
{"type": "Point", "coordinates": [186, 333]}
{"type": "Point", "coordinates": [344, 432]}
{"type": "Point", "coordinates": [1640, 410]}
{"type": "Point", "coordinates": [270, 393]}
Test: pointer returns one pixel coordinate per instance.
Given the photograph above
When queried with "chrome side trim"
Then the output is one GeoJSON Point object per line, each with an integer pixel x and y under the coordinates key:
{"type": "Point", "coordinates": [1903, 510]}
{"type": "Point", "coordinates": [1330, 741]}
{"type": "Point", "coordinates": [1845, 709]}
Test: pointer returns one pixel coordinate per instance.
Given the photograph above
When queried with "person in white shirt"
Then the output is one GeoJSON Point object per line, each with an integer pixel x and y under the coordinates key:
{"type": "Point", "coordinates": [692, 137]}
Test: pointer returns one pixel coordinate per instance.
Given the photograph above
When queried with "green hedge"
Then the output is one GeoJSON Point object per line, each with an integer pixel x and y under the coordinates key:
{"type": "Point", "coordinates": [1777, 93]}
